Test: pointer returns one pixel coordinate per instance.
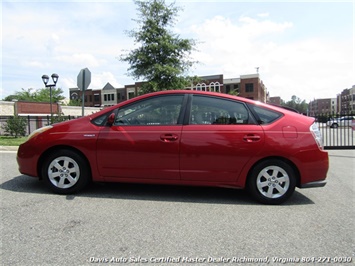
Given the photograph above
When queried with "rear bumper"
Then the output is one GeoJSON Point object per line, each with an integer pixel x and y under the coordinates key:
{"type": "Point", "coordinates": [320, 183]}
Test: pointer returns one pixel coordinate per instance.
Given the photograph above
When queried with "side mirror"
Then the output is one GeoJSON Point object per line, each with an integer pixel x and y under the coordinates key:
{"type": "Point", "coordinates": [111, 119]}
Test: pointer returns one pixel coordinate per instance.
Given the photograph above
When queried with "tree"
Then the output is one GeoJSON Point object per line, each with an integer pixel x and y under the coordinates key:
{"type": "Point", "coordinates": [162, 59]}
{"type": "Point", "coordinates": [41, 95]}
{"type": "Point", "coordinates": [15, 126]}
{"type": "Point", "coordinates": [234, 92]}
{"type": "Point", "coordinates": [74, 103]}
{"type": "Point", "coordinates": [297, 104]}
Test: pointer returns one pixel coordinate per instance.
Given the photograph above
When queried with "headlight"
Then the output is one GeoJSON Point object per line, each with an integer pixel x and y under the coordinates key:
{"type": "Point", "coordinates": [38, 131]}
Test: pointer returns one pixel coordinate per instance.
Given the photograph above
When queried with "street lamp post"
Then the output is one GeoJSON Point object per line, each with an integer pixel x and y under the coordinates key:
{"type": "Point", "coordinates": [45, 79]}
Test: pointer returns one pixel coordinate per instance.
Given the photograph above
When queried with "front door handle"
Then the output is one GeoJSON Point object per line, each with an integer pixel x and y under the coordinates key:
{"type": "Point", "coordinates": [169, 137]}
{"type": "Point", "coordinates": [251, 138]}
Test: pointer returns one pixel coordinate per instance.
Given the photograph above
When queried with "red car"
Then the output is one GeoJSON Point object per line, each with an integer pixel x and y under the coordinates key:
{"type": "Point", "coordinates": [182, 138]}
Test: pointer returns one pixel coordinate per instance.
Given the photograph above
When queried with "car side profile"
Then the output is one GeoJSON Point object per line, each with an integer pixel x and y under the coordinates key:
{"type": "Point", "coordinates": [182, 137]}
{"type": "Point", "coordinates": [345, 121]}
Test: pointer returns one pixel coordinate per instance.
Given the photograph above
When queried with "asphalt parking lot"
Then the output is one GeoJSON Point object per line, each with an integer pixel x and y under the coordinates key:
{"type": "Point", "coordinates": [126, 224]}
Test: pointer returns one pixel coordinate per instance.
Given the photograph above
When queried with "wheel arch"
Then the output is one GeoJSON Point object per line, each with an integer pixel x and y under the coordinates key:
{"type": "Point", "coordinates": [335, 125]}
{"type": "Point", "coordinates": [41, 159]}
{"type": "Point", "coordinates": [283, 159]}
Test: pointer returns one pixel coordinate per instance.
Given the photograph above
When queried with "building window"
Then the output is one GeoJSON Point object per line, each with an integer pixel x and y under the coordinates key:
{"type": "Point", "coordinates": [130, 95]}
{"type": "Point", "coordinates": [228, 88]}
{"type": "Point", "coordinates": [212, 86]}
{"type": "Point", "coordinates": [249, 87]}
{"type": "Point", "coordinates": [105, 97]}
{"type": "Point", "coordinates": [96, 98]}
{"type": "Point", "coordinates": [112, 97]}
{"type": "Point", "coordinates": [217, 87]}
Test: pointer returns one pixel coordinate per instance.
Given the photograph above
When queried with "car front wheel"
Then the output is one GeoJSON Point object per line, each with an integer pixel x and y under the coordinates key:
{"type": "Point", "coordinates": [65, 172]}
{"type": "Point", "coordinates": [272, 182]}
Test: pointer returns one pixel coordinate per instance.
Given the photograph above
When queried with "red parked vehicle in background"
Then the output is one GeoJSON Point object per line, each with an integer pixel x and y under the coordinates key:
{"type": "Point", "coordinates": [182, 138]}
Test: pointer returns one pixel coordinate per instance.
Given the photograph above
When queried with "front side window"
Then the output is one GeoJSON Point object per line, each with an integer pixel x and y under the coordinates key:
{"type": "Point", "coordinates": [217, 111]}
{"type": "Point", "coordinates": [161, 110]}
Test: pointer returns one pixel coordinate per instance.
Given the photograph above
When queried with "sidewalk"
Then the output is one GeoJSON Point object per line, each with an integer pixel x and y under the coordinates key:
{"type": "Point", "coordinates": [8, 148]}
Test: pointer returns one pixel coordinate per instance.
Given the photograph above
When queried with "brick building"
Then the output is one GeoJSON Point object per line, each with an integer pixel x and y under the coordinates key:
{"type": "Point", "coordinates": [252, 87]}
{"type": "Point", "coordinates": [92, 98]}
{"type": "Point", "coordinates": [36, 108]}
{"type": "Point", "coordinates": [346, 100]}
{"type": "Point", "coordinates": [322, 106]}
{"type": "Point", "coordinates": [248, 86]}
{"type": "Point", "coordinates": [275, 100]}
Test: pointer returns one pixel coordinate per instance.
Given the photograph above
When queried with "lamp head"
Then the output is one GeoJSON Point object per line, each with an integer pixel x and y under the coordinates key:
{"type": "Point", "coordinates": [45, 79]}
{"type": "Point", "coordinates": [55, 78]}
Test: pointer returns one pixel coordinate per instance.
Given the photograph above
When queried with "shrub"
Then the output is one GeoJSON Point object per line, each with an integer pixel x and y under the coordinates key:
{"type": "Point", "coordinates": [15, 126]}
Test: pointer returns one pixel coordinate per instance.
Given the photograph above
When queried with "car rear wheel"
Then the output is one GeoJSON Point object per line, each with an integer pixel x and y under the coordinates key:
{"type": "Point", "coordinates": [272, 182]}
{"type": "Point", "coordinates": [334, 125]}
{"type": "Point", "coordinates": [66, 172]}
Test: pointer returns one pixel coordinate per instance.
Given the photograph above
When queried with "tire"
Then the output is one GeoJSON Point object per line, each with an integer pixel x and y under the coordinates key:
{"type": "Point", "coordinates": [272, 182]}
{"type": "Point", "coordinates": [66, 172]}
{"type": "Point", "coordinates": [335, 126]}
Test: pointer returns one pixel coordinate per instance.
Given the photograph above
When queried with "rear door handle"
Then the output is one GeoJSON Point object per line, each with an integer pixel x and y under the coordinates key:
{"type": "Point", "coordinates": [169, 137]}
{"type": "Point", "coordinates": [251, 138]}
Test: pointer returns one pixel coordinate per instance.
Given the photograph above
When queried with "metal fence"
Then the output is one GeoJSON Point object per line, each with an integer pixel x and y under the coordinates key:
{"type": "Point", "coordinates": [337, 130]}
{"type": "Point", "coordinates": [338, 133]}
{"type": "Point", "coordinates": [34, 122]}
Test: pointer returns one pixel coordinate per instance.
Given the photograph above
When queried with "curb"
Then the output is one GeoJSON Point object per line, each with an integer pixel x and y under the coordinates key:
{"type": "Point", "coordinates": [8, 148]}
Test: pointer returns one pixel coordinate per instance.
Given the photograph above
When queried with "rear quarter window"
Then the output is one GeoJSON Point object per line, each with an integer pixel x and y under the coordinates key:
{"type": "Point", "coordinates": [264, 115]}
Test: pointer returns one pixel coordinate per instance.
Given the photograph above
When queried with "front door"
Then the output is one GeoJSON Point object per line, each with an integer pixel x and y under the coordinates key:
{"type": "Point", "coordinates": [143, 142]}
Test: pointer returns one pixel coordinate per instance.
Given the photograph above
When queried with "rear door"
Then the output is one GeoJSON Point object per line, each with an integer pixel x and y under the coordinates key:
{"type": "Point", "coordinates": [220, 137]}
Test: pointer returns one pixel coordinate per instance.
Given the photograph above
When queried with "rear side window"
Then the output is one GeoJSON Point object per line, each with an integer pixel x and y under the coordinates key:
{"type": "Point", "coordinates": [217, 111]}
{"type": "Point", "coordinates": [265, 116]}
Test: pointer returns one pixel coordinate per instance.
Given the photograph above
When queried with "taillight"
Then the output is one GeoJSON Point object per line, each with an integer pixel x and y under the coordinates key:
{"type": "Point", "coordinates": [317, 135]}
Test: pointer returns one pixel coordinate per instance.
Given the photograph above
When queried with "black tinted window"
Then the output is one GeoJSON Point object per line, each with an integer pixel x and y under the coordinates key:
{"type": "Point", "coordinates": [265, 115]}
{"type": "Point", "coordinates": [101, 120]}
{"type": "Point", "coordinates": [162, 110]}
{"type": "Point", "coordinates": [212, 110]}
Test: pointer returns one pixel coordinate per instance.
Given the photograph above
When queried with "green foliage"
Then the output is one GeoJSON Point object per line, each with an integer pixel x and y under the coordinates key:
{"type": "Point", "coordinates": [41, 95]}
{"type": "Point", "coordinates": [297, 104]}
{"type": "Point", "coordinates": [74, 103]}
{"type": "Point", "coordinates": [58, 118]}
{"type": "Point", "coordinates": [163, 57]}
{"type": "Point", "coordinates": [234, 92]}
{"type": "Point", "coordinates": [15, 126]}
{"type": "Point", "coordinates": [11, 141]}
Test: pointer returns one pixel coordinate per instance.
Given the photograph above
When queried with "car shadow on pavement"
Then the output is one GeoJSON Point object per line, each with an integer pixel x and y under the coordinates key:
{"type": "Point", "coordinates": [148, 192]}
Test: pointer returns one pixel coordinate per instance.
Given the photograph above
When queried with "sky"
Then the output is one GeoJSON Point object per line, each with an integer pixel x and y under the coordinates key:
{"type": "Point", "coordinates": [302, 48]}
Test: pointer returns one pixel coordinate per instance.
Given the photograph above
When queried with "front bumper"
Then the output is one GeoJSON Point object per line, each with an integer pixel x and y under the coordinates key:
{"type": "Point", "coordinates": [27, 159]}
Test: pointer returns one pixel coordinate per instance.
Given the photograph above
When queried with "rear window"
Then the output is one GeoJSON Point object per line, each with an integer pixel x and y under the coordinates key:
{"type": "Point", "coordinates": [266, 116]}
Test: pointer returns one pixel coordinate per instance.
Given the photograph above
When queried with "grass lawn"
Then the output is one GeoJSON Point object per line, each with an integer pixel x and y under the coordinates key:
{"type": "Point", "coordinates": [11, 141]}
